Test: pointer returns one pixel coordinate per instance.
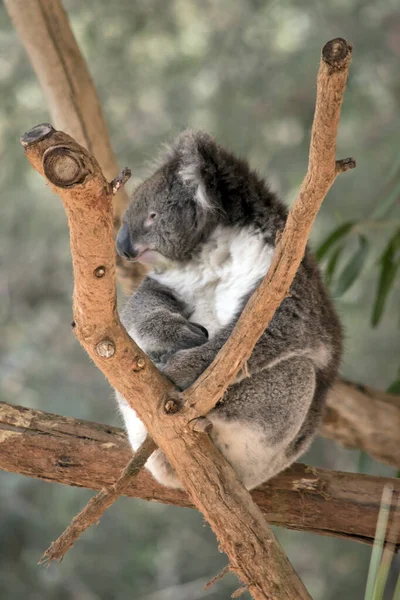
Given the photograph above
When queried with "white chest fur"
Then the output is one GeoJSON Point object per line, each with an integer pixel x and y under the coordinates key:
{"type": "Point", "coordinates": [213, 284]}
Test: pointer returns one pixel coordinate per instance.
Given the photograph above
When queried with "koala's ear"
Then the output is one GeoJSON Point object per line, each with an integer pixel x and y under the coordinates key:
{"type": "Point", "coordinates": [197, 155]}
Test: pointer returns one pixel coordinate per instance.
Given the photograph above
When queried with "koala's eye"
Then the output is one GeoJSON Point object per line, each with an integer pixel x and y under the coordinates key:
{"type": "Point", "coordinates": [151, 217]}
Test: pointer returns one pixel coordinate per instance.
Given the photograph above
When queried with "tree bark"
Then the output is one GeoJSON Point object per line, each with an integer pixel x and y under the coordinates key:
{"type": "Point", "coordinates": [358, 416]}
{"type": "Point", "coordinates": [91, 455]}
{"type": "Point", "coordinates": [67, 85]}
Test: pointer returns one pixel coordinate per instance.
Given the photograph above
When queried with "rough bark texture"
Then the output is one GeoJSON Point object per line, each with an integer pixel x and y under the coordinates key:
{"type": "Point", "coordinates": [254, 553]}
{"type": "Point", "coordinates": [80, 453]}
{"type": "Point", "coordinates": [45, 31]}
{"type": "Point", "coordinates": [322, 171]}
{"type": "Point", "coordinates": [358, 416]}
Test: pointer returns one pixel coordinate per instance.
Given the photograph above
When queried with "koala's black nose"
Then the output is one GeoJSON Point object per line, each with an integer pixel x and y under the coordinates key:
{"type": "Point", "coordinates": [123, 243]}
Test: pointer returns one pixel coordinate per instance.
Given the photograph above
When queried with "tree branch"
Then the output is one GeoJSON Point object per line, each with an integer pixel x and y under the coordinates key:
{"type": "Point", "coordinates": [322, 172]}
{"type": "Point", "coordinates": [45, 31]}
{"type": "Point", "coordinates": [360, 417]}
{"type": "Point", "coordinates": [84, 454]}
{"type": "Point", "coordinates": [97, 505]}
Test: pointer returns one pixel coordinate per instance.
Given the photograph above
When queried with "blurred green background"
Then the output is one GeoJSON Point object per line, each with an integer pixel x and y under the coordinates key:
{"type": "Point", "coordinates": [245, 71]}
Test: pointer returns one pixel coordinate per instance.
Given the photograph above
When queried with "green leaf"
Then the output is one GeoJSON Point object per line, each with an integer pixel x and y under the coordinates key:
{"type": "Point", "coordinates": [394, 388]}
{"type": "Point", "coordinates": [389, 266]}
{"type": "Point", "coordinates": [332, 264]}
{"type": "Point", "coordinates": [377, 549]}
{"type": "Point", "coordinates": [333, 238]}
{"type": "Point", "coordinates": [353, 268]}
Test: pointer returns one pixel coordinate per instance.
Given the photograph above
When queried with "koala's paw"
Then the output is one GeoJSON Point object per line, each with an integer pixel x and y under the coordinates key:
{"type": "Point", "coordinates": [191, 335]}
{"type": "Point", "coordinates": [183, 367]}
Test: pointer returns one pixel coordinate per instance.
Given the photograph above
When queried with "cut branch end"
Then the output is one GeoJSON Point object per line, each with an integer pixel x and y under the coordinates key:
{"type": "Point", "coordinates": [36, 134]}
{"type": "Point", "coordinates": [337, 53]}
{"type": "Point", "coordinates": [120, 180]}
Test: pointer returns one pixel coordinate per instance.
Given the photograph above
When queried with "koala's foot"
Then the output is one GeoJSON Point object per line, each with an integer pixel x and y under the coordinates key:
{"type": "Point", "coordinates": [162, 471]}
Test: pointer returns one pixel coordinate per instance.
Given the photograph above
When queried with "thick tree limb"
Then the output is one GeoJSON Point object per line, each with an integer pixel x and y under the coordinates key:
{"type": "Point", "coordinates": [76, 177]}
{"type": "Point", "coordinates": [361, 417]}
{"type": "Point", "coordinates": [79, 453]}
{"type": "Point", "coordinates": [322, 172]}
{"type": "Point", "coordinates": [252, 548]}
{"type": "Point", "coordinates": [45, 31]}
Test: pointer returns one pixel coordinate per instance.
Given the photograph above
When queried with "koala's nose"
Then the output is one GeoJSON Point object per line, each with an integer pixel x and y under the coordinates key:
{"type": "Point", "coordinates": [123, 243]}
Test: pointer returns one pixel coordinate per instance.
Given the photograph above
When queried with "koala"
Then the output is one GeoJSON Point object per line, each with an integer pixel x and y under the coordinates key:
{"type": "Point", "coordinates": [206, 225]}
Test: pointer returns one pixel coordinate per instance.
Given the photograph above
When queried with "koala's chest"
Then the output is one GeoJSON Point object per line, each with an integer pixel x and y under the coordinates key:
{"type": "Point", "coordinates": [214, 284]}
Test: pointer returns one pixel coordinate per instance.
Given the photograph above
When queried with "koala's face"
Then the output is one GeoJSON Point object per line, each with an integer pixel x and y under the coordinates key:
{"type": "Point", "coordinates": [160, 223]}
{"type": "Point", "coordinates": [169, 214]}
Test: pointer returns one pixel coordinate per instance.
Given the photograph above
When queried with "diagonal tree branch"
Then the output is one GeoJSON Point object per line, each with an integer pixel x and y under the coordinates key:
{"type": "Point", "coordinates": [323, 169]}
{"type": "Point", "coordinates": [67, 85]}
{"type": "Point", "coordinates": [84, 454]}
{"type": "Point", "coordinates": [97, 505]}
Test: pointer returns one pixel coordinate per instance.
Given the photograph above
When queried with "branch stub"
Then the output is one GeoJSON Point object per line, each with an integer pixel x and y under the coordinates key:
{"type": "Point", "coordinates": [345, 164]}
{"type": "Point", "coordinates": [100, 272]}
{"type": "Point", "coordinates": [105, 349]}
{"type": "Point", "coordinates": [171, 406]}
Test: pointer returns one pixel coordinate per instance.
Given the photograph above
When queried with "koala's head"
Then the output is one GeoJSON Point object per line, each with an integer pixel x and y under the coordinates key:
{"type": "Point", "coordinates": [176, 208]}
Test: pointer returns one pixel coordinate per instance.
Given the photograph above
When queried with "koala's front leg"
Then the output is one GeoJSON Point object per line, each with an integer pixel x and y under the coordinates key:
{"type": "Point", "coordinates": [158, 322]}
{"type": "Point", "coordinates": [185, 366]}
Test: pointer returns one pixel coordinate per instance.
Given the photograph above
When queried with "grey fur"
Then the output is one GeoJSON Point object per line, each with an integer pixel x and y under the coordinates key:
{"type": "Point", "coordinates": [265, 421]}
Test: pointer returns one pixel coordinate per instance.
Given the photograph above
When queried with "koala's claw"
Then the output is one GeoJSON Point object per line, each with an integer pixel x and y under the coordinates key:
{"type": "Point", "coordinates": [202, 329]}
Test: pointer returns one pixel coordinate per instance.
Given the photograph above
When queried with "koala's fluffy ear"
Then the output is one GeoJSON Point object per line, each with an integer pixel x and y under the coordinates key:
{"type": "Point", "coordinates": [197, 154]}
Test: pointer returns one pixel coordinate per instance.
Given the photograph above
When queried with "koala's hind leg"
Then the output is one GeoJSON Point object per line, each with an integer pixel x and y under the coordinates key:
{"type": "Point", "coordinates": [261, 419]}
{"type": "Point", "coordinates": [261, 426]}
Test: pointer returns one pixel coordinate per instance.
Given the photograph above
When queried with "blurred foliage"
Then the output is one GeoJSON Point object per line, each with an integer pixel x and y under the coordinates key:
{"type": "Point", "coordinates": [244, 71]}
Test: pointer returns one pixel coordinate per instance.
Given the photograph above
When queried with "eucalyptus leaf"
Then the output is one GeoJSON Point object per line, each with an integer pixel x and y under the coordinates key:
{"type": "Point", "coordinates": [389, 265]}
{"type": "Point", "coordinates": [332, 264]}
{"type": "Point", "coordinates": [353, 268]}
{"type": "Point", "coordinates": [394, 388]}
{"type": "Point", "coordinates": [333, 238]}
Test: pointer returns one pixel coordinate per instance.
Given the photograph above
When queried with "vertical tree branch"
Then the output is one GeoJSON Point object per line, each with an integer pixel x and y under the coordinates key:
{"type": "Point", "coordinates": [68, 87]}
